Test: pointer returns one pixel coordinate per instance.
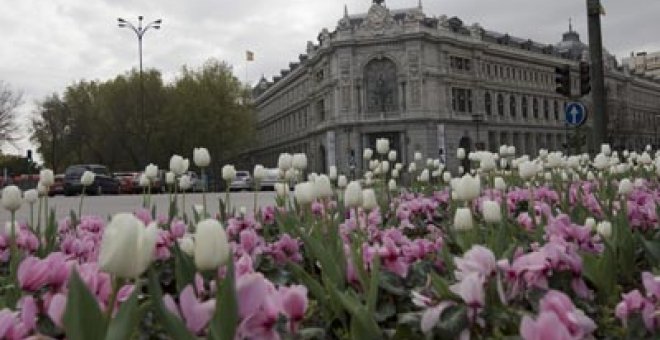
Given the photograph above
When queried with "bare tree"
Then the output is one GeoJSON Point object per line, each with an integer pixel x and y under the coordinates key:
{"type": "Point", "coordinates": [9, 101]}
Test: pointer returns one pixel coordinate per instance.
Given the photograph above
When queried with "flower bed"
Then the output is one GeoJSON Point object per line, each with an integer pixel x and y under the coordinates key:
{"type": "Point", "coordinates": [553, 247]}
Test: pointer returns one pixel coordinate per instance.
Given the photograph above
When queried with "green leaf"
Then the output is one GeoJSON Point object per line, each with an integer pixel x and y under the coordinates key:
{"type": "Point", "coordinates": [363, 326]}
{"type": "Point", "coordinates": [311, 333]}
{"type": "Point", "coordinates": [652, 248]}
{"type": "Point", "coordinates": [82, 317]}
{"type": "Point", "coordinates": [453, 321]}
{"type": "Point", "coordinates": [441, 287]}
{"type": "Point", "coordinates": [172, 325]}
{"type": "Point", "coordinates": [225, 320]}
{"type": "Point", "coordinates": [127, 319]}
{"type": "Point", "coordinates": [372, 295]}
{"type": "Point", "coordinates": [184, 268]}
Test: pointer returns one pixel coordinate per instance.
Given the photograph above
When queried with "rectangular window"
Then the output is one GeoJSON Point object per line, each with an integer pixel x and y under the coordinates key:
{"type": "Point", "coordinates": [461, 100]}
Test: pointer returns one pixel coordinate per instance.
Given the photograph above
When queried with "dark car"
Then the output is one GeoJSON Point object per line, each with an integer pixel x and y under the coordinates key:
{"type": "Point", "coordinates": [104, 182]}
{"type": "Point", "coordinates": [58, 187]}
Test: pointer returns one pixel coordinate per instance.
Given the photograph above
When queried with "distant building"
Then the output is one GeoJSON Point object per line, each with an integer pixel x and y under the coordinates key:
{"type": "Point", "coordinates": [433, 84]}
{"type": "Point", "coordinates": [644, 63]}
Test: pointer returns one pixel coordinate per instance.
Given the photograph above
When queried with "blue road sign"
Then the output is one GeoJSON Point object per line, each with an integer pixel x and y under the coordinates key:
{"type": "Point", "coordinates": [575, 114]}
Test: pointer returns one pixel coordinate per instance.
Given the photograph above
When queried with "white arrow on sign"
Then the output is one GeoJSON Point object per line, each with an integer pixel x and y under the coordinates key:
{"type": "Point", "coordinates": [574, 113]}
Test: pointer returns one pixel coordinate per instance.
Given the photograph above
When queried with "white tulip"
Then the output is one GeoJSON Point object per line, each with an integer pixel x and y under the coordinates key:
{"type": "Point", "coordinates": [625, 187]}
{"type": "Point", "coordinates": [201, 157]}
{"type": "Point", "coordinates": [42, 189]}
{"type": "Point", "coordinates": [385, 167]}
{"type": "Point", "coordinates": [463, 219]}
{"type": "Point", "coordinates": [601, 161]}
{"type": "Point", "coordinates": [289, 174]}
{"type": "Point", "coordinates": [417, 156]}
{"type": "Point", "coordinates": [87, 178]}
{"type": "Point", "coordinates": [228, 173]}
{"type": "Point", "coordinates": [492, 212]}
{"type": "Point", "coordinates": [151, 171]}
{"type": "Point", "coordinates": [259, 172]}
{"type": "Point", "coordinates": [177, 165]}
{"type": "Point", "coordinates": [312, 177]}
{"type": "Point", "coordinates": [645, 159]}
{"type": "Point", "coordinates": [211, 247]}
{"type": "Point", "coordinates": [342, 181]}
{"type": "Point", "coordinates": [398, 166]}
{"type": "Point", "coordinates": [511, 151]}
{"type": "Point", "coordinates": [461, 170]}
{"type": "Point", "coordinates": [242, 211]}
{"type": "Point", "coordinates": [590, 222]}
{"type": "Point", "coordinates": [369, 201]}
{"type": "Point", "coordinates": [605, 149]}
{"type": "Point", "coordinates": [446, 177]}
{"type": "Point", "coordinates": [527, 170]}
{"type": "Point", "coordinates": [392, 156]}
{"type": "Point", "coordinates": [281, 189]}
{"type": "Point", "coordinates": [504, 150]}
{"type": "Point", "coordinates": [12, 198]}
{"type": "Point", "coordinates": [127, 247]}
{"type": "Point", "coordinates": [412, 167]}
{"type": "Point", "coordinates": [46, 177]}
{"type": "Point", "coordinates": [284, 162]}
{"type": "Point", "coordinates": [186, 165]}
{"type": "Point", "coordinates": [487, 162]}
{"type": "Point", "coordinates": [500, 184]}
{"type": "Point", "coordinates": [304, 193]}
{"type": "Point", "coordinates": [31, 196]}
{"type": "Point", "coordinates": [185, 183]}
{"type": "Point", "coordinates": [299, 161]}
{"type": "Point", "coordinates": [353, 195]}
{"type": "Point", "coordinates": [468, 187]}
{"type": "Point", "coordinates": [382, 146]}
{"type": "Point", "coordinates": [187, 244]}
{"type": "Point", "coordinates": [143, 182]}
{"type": "Point", "coordinates": [395, 173]}
{"type": "Point", "coordinates": [460, 153]}
{"type": "Point", "coordinates": [424, 176]}
{"type": "Point", "coordinates": [590, 176]}
{"type": "Point", "coordinates": [367, 154]}
{"type": "Point", "coordinates": [323, 187]}
{"type": "Point", "coordinates": [547, 176]}
{"type": "Point", "coordinates": [170, 177]}
{"type": "Point", "coordinates": [392, 185]}
{"type": "Point", "coordinates": [604, 229]}
{"type": "Point", "coordinates": [332, 173]}
{"type": "Point", "coordinates": [429, 162]}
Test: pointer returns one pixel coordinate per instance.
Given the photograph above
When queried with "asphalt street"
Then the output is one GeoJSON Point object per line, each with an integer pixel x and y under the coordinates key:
{"type": "Point", "coordinates": [106, 206]}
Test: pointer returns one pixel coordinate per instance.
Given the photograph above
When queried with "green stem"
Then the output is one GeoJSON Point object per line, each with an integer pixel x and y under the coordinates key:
{"type": "Point", "coordinates": [203, 194]}
{"type": "Point", "coordinates": [227, 209]}
{"type": "Point", "coordinates": [32, 217]}
{"type": "Point", "coordinates": [41, 200]}
{"type": "Point", "coordinates": [82, 196]}
{"type": "Point", "coordinates": [113, 298]}
{"type": "Point", "coordinates": [45, 214]}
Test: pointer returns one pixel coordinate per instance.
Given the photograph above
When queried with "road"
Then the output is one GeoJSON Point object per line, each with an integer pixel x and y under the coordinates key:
{"type": "Point", "coordinates": [105, 206]}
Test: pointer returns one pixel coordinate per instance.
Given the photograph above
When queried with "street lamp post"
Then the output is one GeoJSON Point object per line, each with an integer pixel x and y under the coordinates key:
{"type": "Point", "coordinates": [139, 32]}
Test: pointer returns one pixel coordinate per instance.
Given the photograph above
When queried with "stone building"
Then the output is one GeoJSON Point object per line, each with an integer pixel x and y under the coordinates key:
{"type": "Point", "coordinates": [432, 84]}
{"type": "Point", "coordinates": [644, 63]}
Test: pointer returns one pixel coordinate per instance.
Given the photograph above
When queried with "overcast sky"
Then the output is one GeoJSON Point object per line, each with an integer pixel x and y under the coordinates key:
{"type": "Point", "coordinates": [49, 44]}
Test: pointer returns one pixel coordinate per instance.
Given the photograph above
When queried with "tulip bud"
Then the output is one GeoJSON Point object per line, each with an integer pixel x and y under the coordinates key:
{"type": "Point", "coordinates": [460, 153]}
{"type": "Point", "coordinates": [342, 181]}
{"type": "Point", "coordinates": [500, 184]}
{"type": "Point", "coordinates": [304, 193]}
{"type": "Point", "coordinates": [31, 196]}
{"type": "Point", "coordinates": [527, 170]}
{"type": "Point", "coordinates": [604, 229]}
{"type": "Point", "coordinates": [382, 146]}
{"type": "Point", "coordinates": [201, 157]}
{"type": "Point", "coordinates": [284, 161]}
{"type": "Point", "coordinates": [392, 156]}
{"type": "Point", "coordinates": [185, 183]}
{"type": "Point", "coordinates": [187, 245]}
{"type": "Point", "coordinates": [281, 189]}
{"type": "Point", "coordinates": [170, 177]}
{"type": "Point", "coordinates": [395, 173]}
{"type": "Point", "coordinates": [424, 176]}
{"type": "Point", "coordinates": [87, 178]}
{"type": "Point", "coordinates": [151, 171]}
{"type": "Point", "coordinates": [468, 188]}
{"type": "Point", "coordinates": [625, 187]}
{"type": "Point", "coordinates": [392, 185]}
{"type": "Point", "coordinates": [590, 222]}
{"type": "Point", "coordinates": [12, 198]}
{"type": "Point", "coordinates": [299, 161]}
{"type": "Point", "coordinates": [353, 195]}
{"type": "Point", "coordinates": [323, 187]}
{"type": "Point", "coordinates": [332, 173]}
{"type": "Point", "coordinates": [463, 219]}
{"type": "Point", "coordinates": [367, 154]}
{"type": "Point", "coordinates": [417, 156]}
{"type": "Point", "coordinates": [259, 172]}
{"type": "Point", "coordinates": [46, 177]}
{"type": "Point", "coordinates": [461, 170]}
{"type": "Point", "coordinates": [42, 189]}
{"type": "Point", "coordinates": [385, 166]}
{"type": "Point", "coordinates": [211, 246]}
{"type": "Point", "coordinates": [228, 173]}
{"type": "Point", "coordinates": [446, 177]}
{"type": "Point", "coordinates": [144, 181]}
{"type": "Point", "coordinates": [492, 212]}
{"type": "Point", "coordinates": [605, 149]}
{"type": "Point", "coordinates": [177, 165]}
{"type": "Point", "coordinates": [412, 167]}
{"type": "Point", "coordinates": [369, 201]}
{"type": "Point", "coordinates": [504, 150]}
{"type": "Point", "coordinates": [127, 247]}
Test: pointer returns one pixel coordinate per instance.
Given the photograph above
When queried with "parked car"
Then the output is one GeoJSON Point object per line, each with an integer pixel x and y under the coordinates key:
{"type": "Point", "coordinates": [104, 182]}
{"type": "Point", "coordinates": [243, 181]}
{"type": "Point", "coordinates": [125, 179]}
{"type": "Point", "coordinates": [58, 186]}
{"type": "Point", "coordinates": [157, 186]}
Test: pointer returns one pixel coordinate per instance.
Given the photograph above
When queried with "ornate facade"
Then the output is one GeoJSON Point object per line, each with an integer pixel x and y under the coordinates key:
{"type": "Point", "coordinates": [432, 85]}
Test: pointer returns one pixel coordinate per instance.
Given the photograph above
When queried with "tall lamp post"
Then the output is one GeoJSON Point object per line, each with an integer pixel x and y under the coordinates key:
{"type": "Point", "coordinates": [139, 32]}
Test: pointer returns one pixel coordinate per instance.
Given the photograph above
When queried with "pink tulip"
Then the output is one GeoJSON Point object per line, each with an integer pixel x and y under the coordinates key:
{"type": "Point", "coordinates": [471, 290]}
{"type": "Point", "coordinates": [261, 324]}
{"type": "Point", "coordinates": [28, 312]}
{"type": "Point", "coordinates": [56, 309]}
{"type": "Point", "coordinates": [651, 286]}
{"type": "Point", "coordinates": [251, 290]}
{"type": "Point", "coordinates": [197, 314]}
{"type": "Point", "coordinates": [479, 260]}
{"type": "Point", "coordinates": [33, 274]}
{"type": "Point", "coordinates": [178, 228]}
{"type": "Point", "coordinates": [431, 316]}
{"type": "Point", "coordinates": [294, 304]}
{"type": "Point", "coordinates": [546, 327]}
{"type": "Point", "coordinates": [575, 321]}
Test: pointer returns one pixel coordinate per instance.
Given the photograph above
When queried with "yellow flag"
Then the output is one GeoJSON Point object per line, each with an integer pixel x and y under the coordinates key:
{"type": "Point", "coordinates": [249, 55]}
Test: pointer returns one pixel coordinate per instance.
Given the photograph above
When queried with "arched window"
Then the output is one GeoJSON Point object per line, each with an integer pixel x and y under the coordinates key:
{"type": "Point", "coordinates": [535, 108]}
{"type": "Point", "coordinates": [381, 90]}
{"type": "Point", "coordinates": [546, 109]}
{"type": "Point", "coordinates": [488, 102]}
{"type": "Point", "coordinates": [500, 104]}
{"type": "Point", "coordinates": [512, 105]}
{"type": "Point", "coordinates": [525, 107]}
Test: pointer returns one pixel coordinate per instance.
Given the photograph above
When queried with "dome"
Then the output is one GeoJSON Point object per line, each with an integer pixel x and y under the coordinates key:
{"type": "Point", "coordinates": [571, 46]}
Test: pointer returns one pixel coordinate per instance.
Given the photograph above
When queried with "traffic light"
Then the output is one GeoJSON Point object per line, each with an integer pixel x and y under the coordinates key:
{"type": "Point", "coordinates": [585, 78]}
{"type": "Point", "coordinates": [563, 80]}
{"type": "Point", "coordinates": [29, 155]}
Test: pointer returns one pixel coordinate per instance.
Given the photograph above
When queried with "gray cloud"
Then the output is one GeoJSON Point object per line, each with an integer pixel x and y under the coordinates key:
{"type": "Point", "coordinates": [47, 45]}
